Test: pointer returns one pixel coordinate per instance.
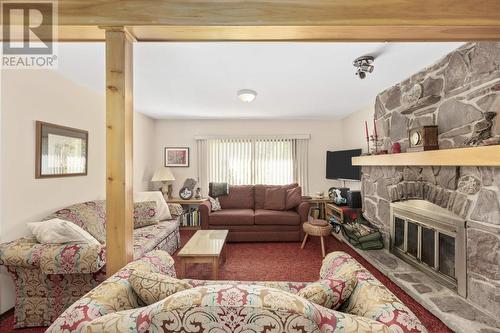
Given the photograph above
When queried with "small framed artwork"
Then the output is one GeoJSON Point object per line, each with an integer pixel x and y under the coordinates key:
{"type": "Point", "coordinates": [176, 157]}
{"type": "Point", "coordinates": [60, 151]}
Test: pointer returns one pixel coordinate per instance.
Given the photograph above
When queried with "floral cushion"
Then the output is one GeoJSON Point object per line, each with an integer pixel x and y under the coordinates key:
{"type": "Point", "coordinates": [153, 287]}
{"type": "Point", "coordinates": [145, 214]}
{"type": "Point", "coordinates": [175, 209]}
{"type": "Point", "coordinates": [91, 216]}
{"type": "Point", "coordinates": [370, 298]}
{"type": "Point", "coordinates": [215, 203]}
{"type": "Point", "coordinates": [330, 293]}
{"type": "Point", "coordinates": [147, 238]}
{"type": "Point", "coordinates": [234, 308]}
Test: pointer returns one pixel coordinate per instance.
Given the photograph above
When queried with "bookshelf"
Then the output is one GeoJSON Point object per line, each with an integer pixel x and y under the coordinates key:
{"type": "Point", "coordinates": [191, 218]}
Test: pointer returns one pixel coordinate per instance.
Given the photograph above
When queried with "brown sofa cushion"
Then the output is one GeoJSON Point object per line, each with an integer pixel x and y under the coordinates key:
{"type": "Point", "coordinates": [240, 196]}
{"type": "Point", "coordinates": [232, 217]}
{"type": "Point", "coordinates": [260, 193]}
{"type": "Point", "coordinates": [293, 197]}
{"type": "Point", "coordinates": [276, 217]}
{"type": "Point", "coordinates": [275, 198]}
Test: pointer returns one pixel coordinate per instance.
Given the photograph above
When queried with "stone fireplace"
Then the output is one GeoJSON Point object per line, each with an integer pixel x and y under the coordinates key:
{"type": "Point", "coordinates": [461, 95]}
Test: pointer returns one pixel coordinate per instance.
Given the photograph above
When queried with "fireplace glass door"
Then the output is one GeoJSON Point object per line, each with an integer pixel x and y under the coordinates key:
{"type": "Point", "coordinates": [428, 242]}
{"type": "Point", "coordinates": [447, 255]}
{"type": "Point", "coordinates": [428, 247]}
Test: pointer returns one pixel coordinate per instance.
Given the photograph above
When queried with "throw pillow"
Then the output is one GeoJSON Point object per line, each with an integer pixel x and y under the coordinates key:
{"type": "Point", "coordinates": [161, 204]}
{"type": "Point", "coordinates": [293, 197]}
{"type": "Point", "coordinates": [153, 287]}
{"type": "Point", "coordinates": [329, 293]}
{"type": "Point", "coordinates": [215, 204]}
{"type": "Point", "coordinates": [145, 214]}
{"type": "Point", "coordinates": [175, 209]}
{"type": "Point", "coordinates": [58, 231]}
{"type": "Point", "coordinates": [275, 198]}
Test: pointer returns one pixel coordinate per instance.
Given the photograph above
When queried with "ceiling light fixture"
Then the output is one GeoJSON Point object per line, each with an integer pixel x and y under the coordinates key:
{"type": "Point", "coordinates": [364, 65]}
{"type": "Point", "coordinates": [246, 95]}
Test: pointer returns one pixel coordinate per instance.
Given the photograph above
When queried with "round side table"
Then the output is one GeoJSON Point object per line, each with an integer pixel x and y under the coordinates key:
{"type": "Point", "coordinates": [320, 228]}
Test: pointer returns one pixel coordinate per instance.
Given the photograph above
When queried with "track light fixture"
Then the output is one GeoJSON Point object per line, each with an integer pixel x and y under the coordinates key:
{"type": "Point", "coordinates": [364, 65]}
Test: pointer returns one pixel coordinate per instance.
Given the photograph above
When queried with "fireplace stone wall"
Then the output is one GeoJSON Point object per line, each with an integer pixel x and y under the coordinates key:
{"type": "Point", "coordinates": [461, 95]}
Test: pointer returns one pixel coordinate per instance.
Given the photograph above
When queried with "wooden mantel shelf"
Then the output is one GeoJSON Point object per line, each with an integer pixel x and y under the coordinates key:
{"type": "Point", "coordinates": [475, 156]}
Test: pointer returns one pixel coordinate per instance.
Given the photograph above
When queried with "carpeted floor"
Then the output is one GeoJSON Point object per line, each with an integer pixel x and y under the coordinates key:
{"type": "Point", "coordinates": [280, 261]}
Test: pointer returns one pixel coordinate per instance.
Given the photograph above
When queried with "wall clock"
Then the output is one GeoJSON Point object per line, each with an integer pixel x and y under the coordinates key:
{"type": "Point", "coordinates": [423, 138]}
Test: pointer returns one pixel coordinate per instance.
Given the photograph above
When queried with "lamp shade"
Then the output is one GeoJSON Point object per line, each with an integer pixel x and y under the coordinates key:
{"type": "Point", "coordinates": [163, 175]}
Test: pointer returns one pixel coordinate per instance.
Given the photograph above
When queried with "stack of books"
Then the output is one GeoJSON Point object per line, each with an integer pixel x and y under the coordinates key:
{"type": "Point", "coordinates": [191, 218]}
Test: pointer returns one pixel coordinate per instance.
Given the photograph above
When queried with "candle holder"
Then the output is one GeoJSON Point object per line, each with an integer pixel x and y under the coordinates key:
{"type": "Point", "coordinates": [376, 144]}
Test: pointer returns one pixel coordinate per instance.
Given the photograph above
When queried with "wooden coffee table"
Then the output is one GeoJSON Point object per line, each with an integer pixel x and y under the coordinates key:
{"type": "Point", "coordinates": [205, 247]}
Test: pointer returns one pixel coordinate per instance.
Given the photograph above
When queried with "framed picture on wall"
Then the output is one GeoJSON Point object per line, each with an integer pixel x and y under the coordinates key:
{"type": "Point", "coordinates": [177, 156]}
{"type": "Point", "coordinates": [60, 151]}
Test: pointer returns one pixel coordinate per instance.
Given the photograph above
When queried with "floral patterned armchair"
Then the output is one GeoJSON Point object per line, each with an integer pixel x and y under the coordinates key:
{"type": "Point", "coordinates": [50, 277]}
{"type": "Point", "coordinates": [236, 306]}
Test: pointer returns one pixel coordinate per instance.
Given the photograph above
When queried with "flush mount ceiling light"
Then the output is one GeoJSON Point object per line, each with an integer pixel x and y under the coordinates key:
{"type": "Point", "coordinates": [246, 95]}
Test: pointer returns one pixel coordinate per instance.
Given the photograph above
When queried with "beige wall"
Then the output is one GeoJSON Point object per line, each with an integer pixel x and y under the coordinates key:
{"type": "Point", "coordinates": [144, 148]}
{"type": "Point", "coordinates": [353, 129]}
{"type": "Point", "coordinates": [27, 96]}
{"type": "Point", "coordinates": [325, 135]}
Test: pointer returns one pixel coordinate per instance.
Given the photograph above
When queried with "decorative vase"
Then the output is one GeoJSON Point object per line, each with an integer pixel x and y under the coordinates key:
{"type": "Point", "coordinates": [396, 148]}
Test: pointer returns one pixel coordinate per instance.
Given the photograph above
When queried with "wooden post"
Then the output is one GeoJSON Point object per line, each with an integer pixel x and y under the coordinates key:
{"type": "Point", "coordinates": [119, 136]}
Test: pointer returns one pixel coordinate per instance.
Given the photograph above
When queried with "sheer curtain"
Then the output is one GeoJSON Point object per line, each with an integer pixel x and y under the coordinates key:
{"type": "Point", "coordinates": [253, 160]}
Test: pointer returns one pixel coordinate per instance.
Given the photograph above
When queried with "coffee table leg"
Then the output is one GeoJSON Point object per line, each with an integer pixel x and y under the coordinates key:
{"type": "Point", "coordinates": [183, 269]}
{"type": "Point", "coordinates": [215, 268]}
{"type": "Point", "coordinates": [224, 253]}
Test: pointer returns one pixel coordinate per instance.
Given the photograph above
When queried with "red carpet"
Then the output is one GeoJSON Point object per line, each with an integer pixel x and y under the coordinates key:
{"type": "Point", "coordinates": [280, 261]}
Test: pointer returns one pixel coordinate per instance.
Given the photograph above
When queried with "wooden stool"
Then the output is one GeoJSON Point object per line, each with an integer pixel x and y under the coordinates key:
{"type": "Point", "coordinates": [319, 228]}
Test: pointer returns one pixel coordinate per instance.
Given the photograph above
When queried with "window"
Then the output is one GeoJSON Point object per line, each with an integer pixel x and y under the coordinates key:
{"type": "Point", "coordinates": [250, 161]}
{"type": "Point", "coordinates": [253, 160]}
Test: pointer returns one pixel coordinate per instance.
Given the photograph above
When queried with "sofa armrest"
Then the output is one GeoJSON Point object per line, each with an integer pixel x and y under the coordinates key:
{"type": "Point", "coordinates": [113, 295]}
{"type": "Point", "coordinates": [370, 298]}
{"type": "Point", "coordinates": [303, 211]}
{"type": "Point", "coordinates": [72, 258]}
{"type": "Point", "coordinates": [22, 252]}
{"type": "Point", "coordinates": [53, 258]}
{"type": "Point", "coordinates": [205, 209]}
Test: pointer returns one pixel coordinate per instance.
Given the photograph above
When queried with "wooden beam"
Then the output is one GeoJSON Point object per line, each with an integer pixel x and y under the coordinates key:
{"type": "Point", "coordinates": [315, 33]}
{"type": "Point", "coordinates": [280, 12]}
{"type": "Point", "coordinates": [119, 132]}
{"type": "Point", "coordinates": [283, 20]}
{"type": "Point", "coordinates": [287, 33]}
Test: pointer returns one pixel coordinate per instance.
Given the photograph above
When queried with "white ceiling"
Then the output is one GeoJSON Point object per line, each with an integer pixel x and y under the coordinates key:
{"type": "Point", "coordinates": [292, 80]}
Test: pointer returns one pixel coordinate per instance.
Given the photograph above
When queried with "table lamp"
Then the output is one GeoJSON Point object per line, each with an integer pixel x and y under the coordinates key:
{"type": "Point", "coordinates": [164, 175]}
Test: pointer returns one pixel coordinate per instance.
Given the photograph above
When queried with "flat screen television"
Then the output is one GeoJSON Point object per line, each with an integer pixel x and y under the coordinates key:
{"type": "Point", "coordinates": [339, 165]}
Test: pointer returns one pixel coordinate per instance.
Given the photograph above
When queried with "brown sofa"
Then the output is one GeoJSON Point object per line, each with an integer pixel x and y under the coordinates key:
{"type": "Point", "coordinates": [243, 214]}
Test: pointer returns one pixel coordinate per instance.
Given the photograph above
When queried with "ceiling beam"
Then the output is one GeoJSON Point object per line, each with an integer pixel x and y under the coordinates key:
{"type": "Point", "coordinates": [287, 33]}
{"type": "Point", "coordinates": [281, 12]}
{"type": "Point", "coordinates": [283, 20]}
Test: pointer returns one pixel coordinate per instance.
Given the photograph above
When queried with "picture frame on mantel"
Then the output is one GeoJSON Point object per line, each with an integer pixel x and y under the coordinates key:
{"type": "Point", "coordinates": [177, 157]}
{"type": "Point", "coordinates": [61, 151]}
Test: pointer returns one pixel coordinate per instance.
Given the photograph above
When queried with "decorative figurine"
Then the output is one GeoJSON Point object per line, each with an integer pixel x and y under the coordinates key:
{"type": "Point", "coordinates": [197, 194]}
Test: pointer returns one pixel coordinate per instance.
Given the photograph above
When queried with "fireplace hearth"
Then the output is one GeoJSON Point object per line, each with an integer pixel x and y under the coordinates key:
{"type": "Point", "coordinates": [432, 239]}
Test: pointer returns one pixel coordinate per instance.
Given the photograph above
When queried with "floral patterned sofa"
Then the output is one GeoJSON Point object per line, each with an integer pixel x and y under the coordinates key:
{"type": "Point", "coordinates": [50, 277]}
{"type": "Point", "coordinates": [232, 306]}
